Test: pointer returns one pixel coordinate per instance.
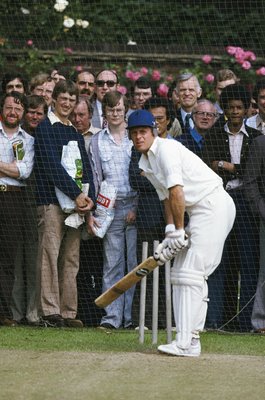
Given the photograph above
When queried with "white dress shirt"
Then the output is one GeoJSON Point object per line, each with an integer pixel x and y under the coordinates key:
{"type": "Point", "coordinates": [257, 123]}
{"type": "Point", "coordinates": [25, 165]}
{"type": "Point", "coordinates": [168, 163]}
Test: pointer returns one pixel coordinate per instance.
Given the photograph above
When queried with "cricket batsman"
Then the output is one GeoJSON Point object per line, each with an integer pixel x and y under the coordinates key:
{"type": "Point", "coordinates": [185, 184]}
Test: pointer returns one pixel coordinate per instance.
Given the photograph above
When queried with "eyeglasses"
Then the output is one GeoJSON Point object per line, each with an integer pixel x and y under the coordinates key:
{"type": "Point", "coordinates": [101, 83]}
{"type": "Point", "coordinates": [205, 114]}
{"type": "Point", "coordinates": [118, 111]}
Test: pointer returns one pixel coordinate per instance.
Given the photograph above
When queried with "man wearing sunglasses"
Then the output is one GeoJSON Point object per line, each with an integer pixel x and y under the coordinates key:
{"type": "Point", "coordinates": [106, 81]}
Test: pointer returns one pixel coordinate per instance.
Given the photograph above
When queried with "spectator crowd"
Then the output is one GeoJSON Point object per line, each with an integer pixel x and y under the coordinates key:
{"type": "Point", "coordinates": [62, 140]}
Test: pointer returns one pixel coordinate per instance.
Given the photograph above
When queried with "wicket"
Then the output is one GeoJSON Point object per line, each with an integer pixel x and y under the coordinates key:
{"type": "Point", "coordinates": [155, 293]}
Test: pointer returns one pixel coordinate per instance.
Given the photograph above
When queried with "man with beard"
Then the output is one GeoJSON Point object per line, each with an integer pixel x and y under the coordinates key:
{"type": "Point", "coordinates": [85, 82]}
{"type": "Point", "coordinates": [24, 305]}
{"type": "Point", "coordinates": [16, 155]}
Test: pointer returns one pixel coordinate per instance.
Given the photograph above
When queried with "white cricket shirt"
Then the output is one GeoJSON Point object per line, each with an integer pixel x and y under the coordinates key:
{"type": "Point", "coordinates": [168, 163]}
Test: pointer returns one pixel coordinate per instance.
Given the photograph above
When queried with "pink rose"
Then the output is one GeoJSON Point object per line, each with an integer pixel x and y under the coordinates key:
{"type": "Point", "coordinates": [69, 50]}
{"type": "Point", "coordinates": [129, 74]}
{"type": "Point", "coordinates": [246, 65]}
{"type": "Point", "coordinates": [156, 76]}
{"type": "Point", "coordinates": [136, 75]}
{"type": "Point", "coordinates": [122, 89]}
{"type": "Point", "coordinates": [240, 55]}
{"type": "Point", "coordinates": [250, 55]}
{"type": "Point", "coordinates": [30, 42]}
{"type": "Point", "coordinates": [209, 78]}
{"type": "Point", "coordinates": [162, 90]}
{"type": "Point", "coordinates": [260, 71]}
{"type": "Point", "coordinates": [79, 68]}
{"type": "Point", "coordinates": [231, 50]}
{"type": "Point", "coordinates": [207, 59]}
{"type": "Point", "coordinates": [144, 71]}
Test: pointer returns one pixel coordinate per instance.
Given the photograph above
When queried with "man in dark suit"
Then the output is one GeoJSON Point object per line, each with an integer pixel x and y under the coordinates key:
{"type": "Point", "coordinates": [188, 91]}
{"type": "Point", "coordinates": [254, 184]}
{"type": "Point", "coordinates": [106, 81]}
{"type": "Point", "coordinates": [204, 116]}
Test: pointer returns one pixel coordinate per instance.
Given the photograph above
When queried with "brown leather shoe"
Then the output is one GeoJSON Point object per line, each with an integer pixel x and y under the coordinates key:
{"type": "Point", "coordinates": [261, 330]}
{"type": "Point", "coordinates": [53, 321]}
{"type": "Point", "coordinates": [73, 323]}
{"type": "Point", "coordinates": [4, 321]}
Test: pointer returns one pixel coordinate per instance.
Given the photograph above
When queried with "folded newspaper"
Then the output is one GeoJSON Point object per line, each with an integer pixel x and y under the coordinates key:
{"type": "Point", "coordinates": [104, 212]}
{"type": "Point", "coordinates": [72, 163]}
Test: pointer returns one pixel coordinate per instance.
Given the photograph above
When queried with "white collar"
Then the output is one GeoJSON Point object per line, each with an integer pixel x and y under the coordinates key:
{"type": "Point", "coordinates": [241, 130]}
{"type": "Point", "coordinates": [53, 119]}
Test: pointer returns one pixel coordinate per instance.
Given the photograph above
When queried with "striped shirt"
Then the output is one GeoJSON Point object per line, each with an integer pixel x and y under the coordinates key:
{"type": "Point", "coordinates": [115, 159]}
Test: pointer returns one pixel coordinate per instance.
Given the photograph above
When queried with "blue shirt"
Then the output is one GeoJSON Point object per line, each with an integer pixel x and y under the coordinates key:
{"type": "Point", "coordinates": [192, 140]}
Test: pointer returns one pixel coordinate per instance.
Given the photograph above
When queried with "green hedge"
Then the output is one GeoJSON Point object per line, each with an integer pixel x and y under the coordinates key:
{"type": "Point", "coordinates": [192, 24]}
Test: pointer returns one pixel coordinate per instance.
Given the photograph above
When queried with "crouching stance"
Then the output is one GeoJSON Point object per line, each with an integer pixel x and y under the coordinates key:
{"type": "Point", "coordinates": [185, 184]}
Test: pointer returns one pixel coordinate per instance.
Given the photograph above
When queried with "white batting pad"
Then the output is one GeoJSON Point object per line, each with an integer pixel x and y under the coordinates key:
{"type": "Point", "coordinates": [189, 295]}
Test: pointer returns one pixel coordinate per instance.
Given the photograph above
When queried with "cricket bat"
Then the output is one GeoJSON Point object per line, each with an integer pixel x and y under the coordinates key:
{"type": "Point", "coordinates": [126, 282]}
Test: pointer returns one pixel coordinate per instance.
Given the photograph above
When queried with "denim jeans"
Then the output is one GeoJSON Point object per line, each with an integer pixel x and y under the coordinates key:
{"type": "Point", "coordinates": [119, 252]}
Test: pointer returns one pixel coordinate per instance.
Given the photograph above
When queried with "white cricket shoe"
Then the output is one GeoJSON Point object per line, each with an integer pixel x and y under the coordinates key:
{"type": "Point", "coordinates": [193, 351]}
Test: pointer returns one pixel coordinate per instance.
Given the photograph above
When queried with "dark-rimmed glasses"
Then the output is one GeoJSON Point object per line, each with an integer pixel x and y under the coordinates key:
{"type": "Point", "coordinates": [101, 83]}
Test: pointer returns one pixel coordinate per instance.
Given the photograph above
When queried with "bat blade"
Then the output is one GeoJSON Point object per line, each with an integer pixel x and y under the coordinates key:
{"type": "Point", "coordinates": [126, 282]}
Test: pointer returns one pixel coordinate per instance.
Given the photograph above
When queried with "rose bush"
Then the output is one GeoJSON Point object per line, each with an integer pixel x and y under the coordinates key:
{"type": "Point", "coordinates": [237, 59]}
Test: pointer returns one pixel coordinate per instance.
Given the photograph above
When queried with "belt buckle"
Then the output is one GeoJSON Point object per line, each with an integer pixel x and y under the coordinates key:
{"type": "Point", "coordinates": [3, 188]}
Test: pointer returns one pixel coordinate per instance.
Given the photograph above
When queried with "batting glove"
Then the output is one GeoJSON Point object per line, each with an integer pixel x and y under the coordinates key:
{"type": "Point", "coordinates": [169, 229]}
{"type": "Point", "coordinates": [176, 240]}
{"type": "Point", "coordinates": [162, 254]}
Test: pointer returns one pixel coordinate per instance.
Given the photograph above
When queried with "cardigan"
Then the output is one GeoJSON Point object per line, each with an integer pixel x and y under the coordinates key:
{"type": "Point", "coordinates": [49, 173]}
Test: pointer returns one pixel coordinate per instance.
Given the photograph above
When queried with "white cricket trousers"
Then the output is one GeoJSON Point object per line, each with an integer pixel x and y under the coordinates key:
{"type": "Point", "coordinates": [210, 221]}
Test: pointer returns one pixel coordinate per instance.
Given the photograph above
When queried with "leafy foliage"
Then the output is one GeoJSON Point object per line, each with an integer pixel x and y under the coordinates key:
{"type": "Point", "coordinates": [194, 23]}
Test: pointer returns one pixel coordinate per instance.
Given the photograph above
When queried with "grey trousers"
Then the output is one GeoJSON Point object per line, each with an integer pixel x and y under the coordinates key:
{"type": "Point", "coordinates": [25, 286]}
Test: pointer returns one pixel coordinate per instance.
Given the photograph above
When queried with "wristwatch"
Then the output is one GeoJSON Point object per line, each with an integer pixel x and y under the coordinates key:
{"type": "Point", "coordinates": [220, 164]}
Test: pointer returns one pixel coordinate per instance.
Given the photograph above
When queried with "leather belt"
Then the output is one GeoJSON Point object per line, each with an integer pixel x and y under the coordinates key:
{"type": "Point", "coordinates": [10, 188]}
